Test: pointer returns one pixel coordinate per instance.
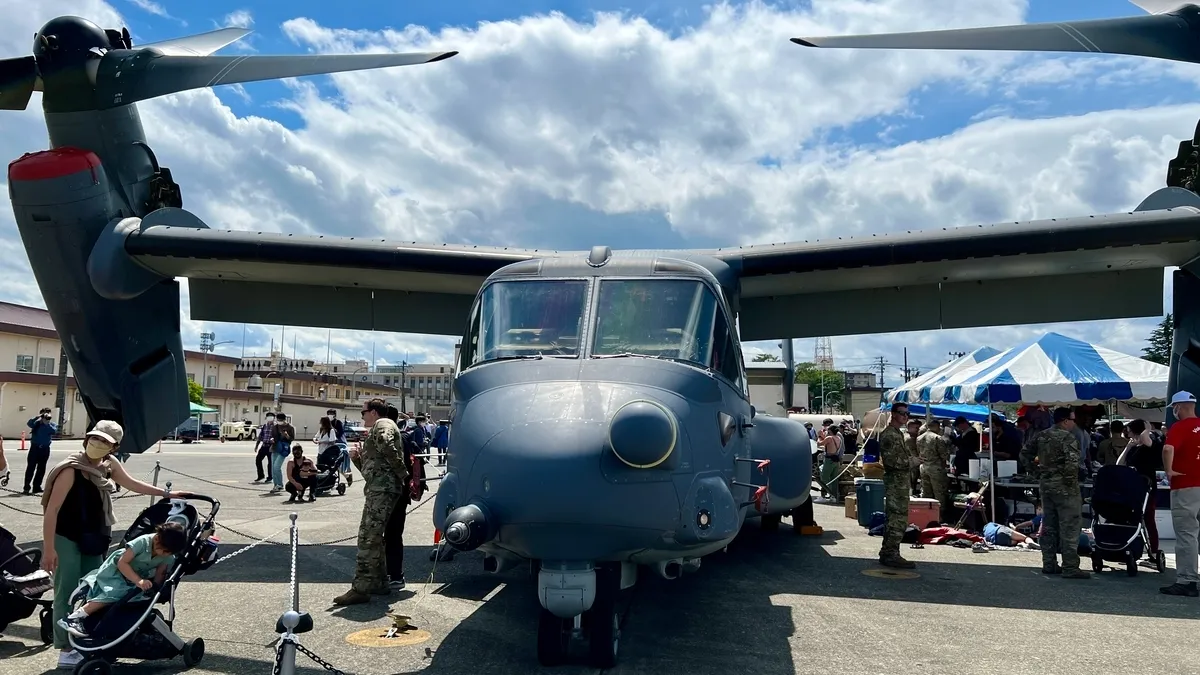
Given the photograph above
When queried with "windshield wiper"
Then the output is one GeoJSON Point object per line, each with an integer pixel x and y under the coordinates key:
{"type": "Point", "coordinates": [625, 355]}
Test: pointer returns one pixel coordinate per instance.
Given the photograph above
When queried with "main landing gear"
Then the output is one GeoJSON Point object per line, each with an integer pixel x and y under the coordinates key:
{"type": "Point", "coordinates": [600, 626]}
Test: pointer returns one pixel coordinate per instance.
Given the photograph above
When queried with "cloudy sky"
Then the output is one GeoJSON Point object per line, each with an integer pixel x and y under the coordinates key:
{"type": "Point", "coordinates": [663, 123]}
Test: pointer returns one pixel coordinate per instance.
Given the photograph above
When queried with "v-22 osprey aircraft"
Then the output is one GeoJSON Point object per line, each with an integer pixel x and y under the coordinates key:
{"type": "Point", "coordinates": [601, 415]}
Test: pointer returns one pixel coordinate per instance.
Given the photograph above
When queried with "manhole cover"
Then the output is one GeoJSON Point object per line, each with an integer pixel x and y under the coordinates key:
{"type": "Point", "coordinates": [891, 574]}
{"type": "Point", "coordinates": [377, 637]}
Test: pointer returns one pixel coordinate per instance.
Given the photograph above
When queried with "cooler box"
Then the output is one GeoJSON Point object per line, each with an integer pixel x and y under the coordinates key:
{"type": "Point", "coordinates": [869, 499]}
{"type": "Point", "coordinates": [921, 512]}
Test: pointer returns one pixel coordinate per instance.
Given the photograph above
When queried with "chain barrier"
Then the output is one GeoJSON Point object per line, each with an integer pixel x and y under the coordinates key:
{"type": "Point", "coordinates": [205, 480]}
{"type": "Point", "coordinates": [289, 643]}
{"type": "Point", "coordinates": [318, 660]}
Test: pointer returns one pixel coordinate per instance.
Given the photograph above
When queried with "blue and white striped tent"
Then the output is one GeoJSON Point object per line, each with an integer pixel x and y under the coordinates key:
{"type": "Point", "coordinates": [918, 389]}
{"type": "Point", "coordinates": [1055, 370]}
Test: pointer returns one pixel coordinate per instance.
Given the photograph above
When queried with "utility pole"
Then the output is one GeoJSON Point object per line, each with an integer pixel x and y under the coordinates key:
{"type": "Point", "coordinates": [882, 365]}
{"type": "Point", "coordinates": [906, 364]}
{"type": "Point", "coordinates": [60, 397]}
{"type": "Point", "coordinates": [206, 346]}
{"type": "Point", "coordinates": [957, 355]}
{"type": "Point", "coordinates": [403, 384]}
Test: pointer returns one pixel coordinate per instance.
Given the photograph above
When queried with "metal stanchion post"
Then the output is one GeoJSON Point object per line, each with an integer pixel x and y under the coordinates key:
{"type": "Point", "coordinates": [291, 618]}
{"type": "Point", "coordinates": [157, 468]}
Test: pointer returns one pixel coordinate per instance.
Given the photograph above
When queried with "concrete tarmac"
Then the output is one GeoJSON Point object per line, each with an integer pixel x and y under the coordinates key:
{"type": "Point", "coordinates": [772, 603]}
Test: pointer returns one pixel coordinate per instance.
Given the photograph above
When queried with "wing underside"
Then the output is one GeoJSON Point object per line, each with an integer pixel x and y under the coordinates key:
{"type": "Point", "coordinates": [327, 282]}
{"type": "Point", "coordinates": [1077, 269]}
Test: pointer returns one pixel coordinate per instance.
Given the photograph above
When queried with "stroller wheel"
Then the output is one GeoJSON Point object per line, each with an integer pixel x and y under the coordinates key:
{"type": "Point", "coordinates": [341, 488]}
{"type": "Point", "coordinates": [46, 617]}
{"type": "Point", "coordinates": [1097, 564]}
{"type": "Point", "coordinates": [1160, 562]}
{"type": "Point", "coordinates": [193, 651]}
{"type": "Point", "coordinates": [93, 667]}
{"type": "Point", "coordinates": [1130, 564]}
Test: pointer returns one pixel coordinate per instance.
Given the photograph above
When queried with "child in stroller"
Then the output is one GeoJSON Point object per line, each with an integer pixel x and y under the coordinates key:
{"type": "Point", "coordinates": [129, 624]}
{"type": "Point", "coordinates": [22, 585]}
{"type": "Point", "coordinates": [1119, 495]}
{"type": "Point", "coordinates": [149, 555]}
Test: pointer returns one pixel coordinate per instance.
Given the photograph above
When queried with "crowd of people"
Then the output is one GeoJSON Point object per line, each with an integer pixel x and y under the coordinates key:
{"type": "Point", "coordinates": [1060, 449]}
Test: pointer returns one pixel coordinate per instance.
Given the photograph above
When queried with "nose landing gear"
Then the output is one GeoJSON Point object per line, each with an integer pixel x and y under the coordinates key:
{"type": "Point", "coordinates": [600, 626]}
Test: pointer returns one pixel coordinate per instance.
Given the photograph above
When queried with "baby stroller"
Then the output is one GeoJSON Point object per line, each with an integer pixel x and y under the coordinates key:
{"type": "Point", "coordinates": [1119, 496]}
{"type": "Point", "coordinates": [329, 469]}
{"type": "Point", "coordinates": [22, 585]}
{"type": "Point", "coordinates": [134, 627]}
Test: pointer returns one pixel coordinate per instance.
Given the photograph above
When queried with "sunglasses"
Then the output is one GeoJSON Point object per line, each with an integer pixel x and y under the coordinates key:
{"type": "Point", "coordinates": [364, 412]}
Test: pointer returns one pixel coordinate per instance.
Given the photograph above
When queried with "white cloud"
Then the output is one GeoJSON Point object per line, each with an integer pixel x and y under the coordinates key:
{"type": "Point", "coordinates": [552, 133]}
{"type": "Point", "coordinates": [151, 7]}
{"type": "Point", "coordinates": [241, 18]}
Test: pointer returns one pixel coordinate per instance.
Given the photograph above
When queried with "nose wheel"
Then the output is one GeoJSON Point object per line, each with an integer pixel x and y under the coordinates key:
{"type": "Point", "coordinates": [600, 626]}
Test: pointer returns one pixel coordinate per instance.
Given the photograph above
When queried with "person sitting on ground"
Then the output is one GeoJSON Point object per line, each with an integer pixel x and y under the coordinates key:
{"type": "Point", "coordinates": [1002, 535]}
{"type": "Point", "coordinates": [149, 554]}
{"type": "Point", "coordinates": [302, 475]}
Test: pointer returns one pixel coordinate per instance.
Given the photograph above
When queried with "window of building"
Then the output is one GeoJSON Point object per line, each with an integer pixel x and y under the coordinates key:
{"type": "Point", "coordinates": [24, 363]}
{"type": "Point", "coordinates": [210, 382]}
{"type": "Point", "coordinates": [191, 377]}
{"type": "Point", "coordinates": [46, 366]}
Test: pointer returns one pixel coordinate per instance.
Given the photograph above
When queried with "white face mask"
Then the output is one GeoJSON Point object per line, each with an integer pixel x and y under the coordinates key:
{"type": "Point", "coordinates": [97, 449]}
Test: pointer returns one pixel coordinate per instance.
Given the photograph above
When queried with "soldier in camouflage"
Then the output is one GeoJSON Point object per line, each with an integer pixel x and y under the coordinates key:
{"type": "Point", "coordinates": [894, 453]}
{"type": "Point", "coordinates": [1057, 469]}
{"type": "Point", "coordinates": [934, 450]}
{"type": "Point", "coordinates": [385, 478]}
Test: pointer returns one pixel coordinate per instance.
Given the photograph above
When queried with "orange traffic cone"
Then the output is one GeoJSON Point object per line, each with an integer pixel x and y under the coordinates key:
{"type": "Point", "coordinates": [437, 536]}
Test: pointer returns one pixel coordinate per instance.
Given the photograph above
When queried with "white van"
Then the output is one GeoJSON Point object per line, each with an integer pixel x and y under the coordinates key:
{"type": "Point", "coordinates": [237, 431]}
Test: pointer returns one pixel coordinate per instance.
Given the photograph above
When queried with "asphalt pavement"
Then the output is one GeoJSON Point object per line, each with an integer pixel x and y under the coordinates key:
{"type": "Point", "coordinates": [773, 603]}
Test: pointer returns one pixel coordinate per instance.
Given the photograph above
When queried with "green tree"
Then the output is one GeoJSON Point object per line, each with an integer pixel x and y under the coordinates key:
{"type": "Point", "coordinates": [834, 380]}
{"type": "Point", "coordinates": [1159, 349]}
{"type": "Point", "coordinates": [765, 357]}
{"type": "Point", "coordinates": [195, 392]}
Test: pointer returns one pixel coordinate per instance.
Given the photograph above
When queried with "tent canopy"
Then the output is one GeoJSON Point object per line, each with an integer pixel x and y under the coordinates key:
{"type": "Point", "coordinates": [1054, 370]}
{"type": "Point", "coordinates": [917, 390]}
{"type": "Point", "coordinates": [973, 413]}
{"type": "Point", "coordinates": [196, 408]}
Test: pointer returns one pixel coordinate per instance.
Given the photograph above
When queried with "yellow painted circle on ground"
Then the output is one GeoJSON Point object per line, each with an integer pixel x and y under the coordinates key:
{"type": "Point", "coordinates": [374, 637]}
{"type": "Point", "coordinates": [891, 574]}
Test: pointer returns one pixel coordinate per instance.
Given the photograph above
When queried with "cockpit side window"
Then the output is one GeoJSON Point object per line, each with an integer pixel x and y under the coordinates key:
{"type": "Point", "coordinates": [726, 358]}
{"type": "Point", "coordinates": [527, 319]}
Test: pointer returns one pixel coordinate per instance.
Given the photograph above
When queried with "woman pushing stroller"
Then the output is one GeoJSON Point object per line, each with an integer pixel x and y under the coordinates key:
{"type": "Point", "coordinates": [150, 555]}
{"type": "Point", "coordinates": [78, 518]}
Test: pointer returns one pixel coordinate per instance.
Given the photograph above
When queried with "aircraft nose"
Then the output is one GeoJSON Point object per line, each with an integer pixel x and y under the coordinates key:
{"type": "Point", "coordinates": [643, 434]}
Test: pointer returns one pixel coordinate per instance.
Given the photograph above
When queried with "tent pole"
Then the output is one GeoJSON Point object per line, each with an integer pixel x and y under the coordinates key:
{"type": "Point", "coordinates": [991, 460]}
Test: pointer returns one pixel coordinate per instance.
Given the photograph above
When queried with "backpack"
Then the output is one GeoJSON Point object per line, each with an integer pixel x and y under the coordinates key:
{"type": "Point", "coordinates": [1148, 460]}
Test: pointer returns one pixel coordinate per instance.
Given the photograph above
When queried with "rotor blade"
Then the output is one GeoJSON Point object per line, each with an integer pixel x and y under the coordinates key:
{"type": "Point", "coordinates": [202, 44]}
{"type": "Point", "coordinates": [142, 79]}
{"type": "Point", "coordinates": [17, 80]}
{"type": "Point", "coordinates": [1163, 36]}
{"type": "Point", "coordinates": [1160, 6]}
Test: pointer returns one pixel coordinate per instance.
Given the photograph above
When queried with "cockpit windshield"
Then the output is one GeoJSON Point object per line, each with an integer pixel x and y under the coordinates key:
{"type": "Point", "coordinates": [664, 318]}
{"type": "Point", "coordinates": [527, 319]}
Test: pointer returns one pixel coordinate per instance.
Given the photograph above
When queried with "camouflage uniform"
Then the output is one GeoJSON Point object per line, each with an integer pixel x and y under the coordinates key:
{"type": "Point", "coordinates": [934, 450]}
{"type": "Point", "coordinates": [914, 461]}
{"type": "Point", "coordinates": [384, 481]}
{"type": "Point", "coordinates": [894, 453]}
{"type": "Point", "coordinates": [1058, 477]}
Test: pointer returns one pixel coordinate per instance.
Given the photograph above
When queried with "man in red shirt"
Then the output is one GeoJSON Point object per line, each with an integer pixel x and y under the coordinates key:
{"type": "Point", "coordinates": [1181, 461]}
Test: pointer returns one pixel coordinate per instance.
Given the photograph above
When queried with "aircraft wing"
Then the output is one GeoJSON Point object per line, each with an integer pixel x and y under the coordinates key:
{"type": "Point", "coordinates": [1074, 269]}
{"type": "Point", "coordinates": [314, 280]}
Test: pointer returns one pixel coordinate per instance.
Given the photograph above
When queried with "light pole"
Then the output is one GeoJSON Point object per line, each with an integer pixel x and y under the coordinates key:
{"type": "Point", "coordinates": [354, 384]}
{"type": "Point", "coordinates": [207, 345]}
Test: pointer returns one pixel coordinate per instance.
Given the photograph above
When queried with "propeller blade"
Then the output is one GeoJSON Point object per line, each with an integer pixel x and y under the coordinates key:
{"type": "Point", "coordinates": [145, 78]}
{"type": "Point", "coordinates": [1160, 6]}
{"type": "Point", "coordinates": [18, 77]}
{"type": "Point", "coordinates": [1162, 36]}
{"type": "Point", "coordinates": [202, 44]}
